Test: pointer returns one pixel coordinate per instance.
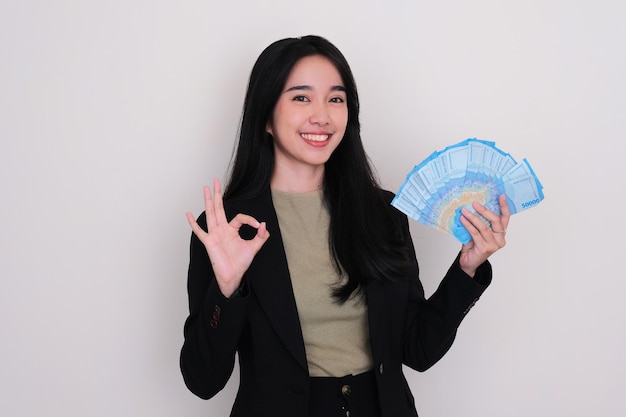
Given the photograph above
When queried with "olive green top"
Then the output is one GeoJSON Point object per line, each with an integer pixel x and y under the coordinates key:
{"type": "Point", "coordinates": [336, 336]}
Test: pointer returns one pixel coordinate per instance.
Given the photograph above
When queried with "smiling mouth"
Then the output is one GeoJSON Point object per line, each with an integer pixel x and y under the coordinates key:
{"type": "Point", "coordinates": [315, 138]}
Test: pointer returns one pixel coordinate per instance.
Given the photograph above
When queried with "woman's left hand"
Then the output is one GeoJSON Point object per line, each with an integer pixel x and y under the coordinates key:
{"type": "Point", "coordinates": [485, 240]}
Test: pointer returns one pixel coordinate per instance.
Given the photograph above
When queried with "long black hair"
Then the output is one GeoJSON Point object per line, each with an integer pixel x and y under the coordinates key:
{"type": "Point", "coordinates": [365, 251]}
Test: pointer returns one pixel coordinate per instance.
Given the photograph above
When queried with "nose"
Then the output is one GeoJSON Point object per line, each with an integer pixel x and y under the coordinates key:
{"type": "Point", "coordinates": [319, 115]}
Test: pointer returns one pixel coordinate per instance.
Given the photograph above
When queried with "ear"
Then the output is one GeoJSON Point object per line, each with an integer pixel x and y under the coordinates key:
{"type": "Point", "coordinates": [268, 128]}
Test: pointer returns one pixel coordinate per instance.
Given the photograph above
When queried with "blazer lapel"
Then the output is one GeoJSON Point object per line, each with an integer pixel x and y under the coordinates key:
{"type": "Point", "coordinates": [375, 307]}
{"type": "Point", "coordinates": [268, 278]}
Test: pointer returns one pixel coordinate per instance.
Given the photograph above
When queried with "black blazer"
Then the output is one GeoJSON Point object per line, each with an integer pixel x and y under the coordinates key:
{"type": "Point", "coordinates": [261, 324]}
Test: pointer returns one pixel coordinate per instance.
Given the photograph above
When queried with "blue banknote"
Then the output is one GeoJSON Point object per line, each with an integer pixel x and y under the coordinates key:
{"type": "Point", "coordinates": [436, 190]}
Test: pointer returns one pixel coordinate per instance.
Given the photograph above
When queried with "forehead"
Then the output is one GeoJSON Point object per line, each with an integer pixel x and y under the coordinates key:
{"type": "Point", "coordinates": [314, 69]}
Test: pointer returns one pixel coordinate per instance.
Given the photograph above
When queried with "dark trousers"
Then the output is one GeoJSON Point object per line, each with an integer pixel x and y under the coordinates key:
{"type": "Point", "coordinates": [348, 396]}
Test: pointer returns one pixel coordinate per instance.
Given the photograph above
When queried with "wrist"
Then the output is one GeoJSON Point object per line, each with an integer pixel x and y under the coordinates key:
{"type": "Point", "coordinates": [471, 272]}
{"type": "Point", "coordinates": [228, 290]}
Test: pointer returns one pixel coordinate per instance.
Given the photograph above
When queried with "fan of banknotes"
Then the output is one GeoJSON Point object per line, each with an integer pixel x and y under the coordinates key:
{"type": "Point", "coordinates": [436, 190]}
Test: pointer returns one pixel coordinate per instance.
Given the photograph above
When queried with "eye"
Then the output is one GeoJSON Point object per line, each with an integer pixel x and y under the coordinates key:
{"type": "Point", "coordinates": [337, 100]}
{"type": "Point", "coordinates": [301, 98]}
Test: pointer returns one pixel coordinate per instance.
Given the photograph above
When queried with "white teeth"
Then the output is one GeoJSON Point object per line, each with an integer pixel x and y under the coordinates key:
{"type": "Point", "coordinates": [315, 138]}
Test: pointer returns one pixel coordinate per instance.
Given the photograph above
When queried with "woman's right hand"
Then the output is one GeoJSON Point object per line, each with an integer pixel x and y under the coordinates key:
{"type": "Point", "coordinates": [230, 254]}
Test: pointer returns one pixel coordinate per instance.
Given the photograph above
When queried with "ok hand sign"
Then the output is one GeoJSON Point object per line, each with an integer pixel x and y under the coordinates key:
{"type": "Point", "coordinates": [230, 254]}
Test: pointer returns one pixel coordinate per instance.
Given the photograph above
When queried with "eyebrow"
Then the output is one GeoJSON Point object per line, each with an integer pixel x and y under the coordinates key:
{"type": "Point", "coordinates": [309, 88]}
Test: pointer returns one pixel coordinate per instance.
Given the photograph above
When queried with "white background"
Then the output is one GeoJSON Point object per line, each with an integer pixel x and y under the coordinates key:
{"type": "Point", "coordinates": [114, 114]}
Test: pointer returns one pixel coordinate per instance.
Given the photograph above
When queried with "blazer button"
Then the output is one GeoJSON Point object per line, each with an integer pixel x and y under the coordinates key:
{"type": "Point", "coordinates": [217, 311]}
{"type": "Point", "coordinates": [381, 369]}
{"type": "Point", "coordinates": [346, 390]}
{"type": "Point", "coordinates": [470, 306]}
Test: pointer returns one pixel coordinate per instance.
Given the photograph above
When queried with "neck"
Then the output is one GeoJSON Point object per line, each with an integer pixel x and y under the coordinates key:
{"type": "Point", "coordinates": [302, 181]}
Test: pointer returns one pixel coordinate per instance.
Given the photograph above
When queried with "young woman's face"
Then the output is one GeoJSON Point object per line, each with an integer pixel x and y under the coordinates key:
{"type": "Point", "coordinates": [310, 116]}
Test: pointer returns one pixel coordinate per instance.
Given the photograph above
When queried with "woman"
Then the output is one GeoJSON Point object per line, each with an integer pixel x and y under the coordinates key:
{"type": "Point", "coordinates": [311, 276]}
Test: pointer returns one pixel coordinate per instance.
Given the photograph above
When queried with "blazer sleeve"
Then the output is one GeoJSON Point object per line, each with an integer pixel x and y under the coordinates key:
{"type": "Point", "coordinates": [212, 328]}
{"type": "Point", "coordinates": [431, 324]}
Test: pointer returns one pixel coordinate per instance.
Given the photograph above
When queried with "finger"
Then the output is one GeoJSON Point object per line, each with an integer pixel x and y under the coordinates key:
{"type": "Point", "coordinates": [476, 221]}
{"type": "Point", "coordinates": [483, 236]}
{"type": "Point", "coordinates": [218, 202]}
{"type": "Point", "coordinates": [469, 221]}
{"type": "Point", "coordinates": [195, 227]}
{"type": "Point", "coordinates": [241, 219]}
{"type": "Point", "coordinates": [261, 236]}
{"type": "Point", "coordinates": [491, 237]}
{"type": "Point", "coordinates": [485, 241]}
{"type": "Point", "coordinates": [497, 225]}
{"type": "Point", "coordinates": [505, 210]}
{"type": "Point", "coordinates": [485, 212]}
{"type": "Point", "coordinates": [209, 209]}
